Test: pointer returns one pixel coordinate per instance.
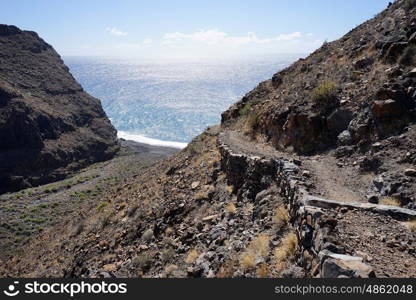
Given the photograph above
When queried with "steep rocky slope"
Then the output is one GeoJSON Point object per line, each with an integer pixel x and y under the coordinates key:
{"type": "Point", "coordinates": [25, 213]}
{"type": "Point", "coordinates": [355, 96]}
{"type": "Point", "coordinates": [310, 175]}
{"type": "Point", "coordinates": [48, 125]}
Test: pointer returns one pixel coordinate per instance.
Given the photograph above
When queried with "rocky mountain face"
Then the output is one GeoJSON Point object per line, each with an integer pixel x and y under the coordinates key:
{"type": "Point", "coordinates": [355, 96]}
{"type": "Point", "coordinates": [311, 174]}
{"type": "Point", "coordinates": [353, 91]}
{"type": "Point", "coordinates": [49, 126]}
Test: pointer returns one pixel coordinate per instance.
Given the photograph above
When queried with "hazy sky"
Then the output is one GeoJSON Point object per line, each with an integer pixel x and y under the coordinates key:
{"type": "Point", "coordinates": [187, 28]}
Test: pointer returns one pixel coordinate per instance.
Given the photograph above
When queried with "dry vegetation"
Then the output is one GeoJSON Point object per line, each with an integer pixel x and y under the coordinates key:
{"type": "Point", "coordinates": [285, 252]}
{"type": "Point", "coordinates": [192, 256]}
{"type": "Point", "coordinates": [390, 201]}
{"type": "Point", "coordinates": [411, 225]}
{"type": "Point", "coordinates": [230, 208]}
{"type": "Point", "coordinates": [257, 249]}
{"type": "Point", "coordinates": [281, 217]}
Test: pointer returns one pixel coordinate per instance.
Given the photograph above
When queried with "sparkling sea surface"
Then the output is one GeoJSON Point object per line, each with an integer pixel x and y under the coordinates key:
{"type": "Point", "coordinates": [168, 102]}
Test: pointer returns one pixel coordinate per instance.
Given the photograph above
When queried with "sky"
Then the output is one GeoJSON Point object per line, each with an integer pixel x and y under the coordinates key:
{"type": "Point", "coordinates": [187, 28]}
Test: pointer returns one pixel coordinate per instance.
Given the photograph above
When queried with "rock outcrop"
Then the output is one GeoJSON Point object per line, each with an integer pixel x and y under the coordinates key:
{"type": "Point", "coordinates": [363, 84]}
{"type": "Point", "coordinates": [49, 126]}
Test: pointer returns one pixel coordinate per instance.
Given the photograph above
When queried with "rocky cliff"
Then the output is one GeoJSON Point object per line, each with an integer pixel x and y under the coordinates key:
{"type": "Point", "coordinates": [311, 174]}
{"type": "Point", "coordinates": [49, 126]}
{"type": "Point", "coordinates": [354, 91]}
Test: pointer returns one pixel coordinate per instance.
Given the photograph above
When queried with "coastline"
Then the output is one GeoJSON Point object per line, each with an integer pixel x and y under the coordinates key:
{"type": "Point", "coordinates": [149, 141]}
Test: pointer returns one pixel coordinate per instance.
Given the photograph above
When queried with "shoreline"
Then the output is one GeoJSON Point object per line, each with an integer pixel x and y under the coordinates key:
{"type": "Point", "coordinates": [150, 141]}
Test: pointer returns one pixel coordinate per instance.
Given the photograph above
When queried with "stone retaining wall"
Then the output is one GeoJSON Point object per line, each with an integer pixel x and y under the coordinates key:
{"type": "Point", "coordinates": [319, 252]}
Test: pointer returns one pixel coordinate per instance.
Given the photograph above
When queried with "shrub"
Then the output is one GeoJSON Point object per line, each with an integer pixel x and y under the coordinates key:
{"type": "Point", "coordinates": [259, 247]}
{"type": "Point", "coordinates": [262, 271]}
{"type": "Point", "coordinates": [247, 260]}
{"type": "Point", "coordinates": [143, 261]}
{"type": "Point", "coordinates": [390, 201]}
{"type": "Point", "coordinates": [282, 217]}
{"type": "Point", "coordinates": [147, 235]}
{"type": "Point", "coordinates": [412, 225]}
{"type": "Point", "coordinates": [325, 94]}
{"type": "Point", "coordinates": [252, 122]}
{"type": "Point", "coordinates": [192, 256]}
{"type": "Point", "coordinates": [168, 254]}
{"type": "Point", "coordinates": [286, 250]}
{"type": "Point", "coordinates": [105, 220]}
{"type": "Point", "coordinates": [102, 206]}
{"type": "Point", "coordinates": [204, 193]}
{"type": "Point", "coordinates": [246, 109]}
{"type": "Point", "coordinates": [231, 209]}
{"type": "Point", "coordinates": [226, 270]}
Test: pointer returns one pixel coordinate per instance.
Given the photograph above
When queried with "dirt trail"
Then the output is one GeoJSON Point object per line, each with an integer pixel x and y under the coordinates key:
{"type": "Point", "coordinates": [327, 178]}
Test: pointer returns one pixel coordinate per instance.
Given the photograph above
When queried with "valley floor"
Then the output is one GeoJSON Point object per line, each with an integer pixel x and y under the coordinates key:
{"type": "Point", "coordinates": [28, 212]}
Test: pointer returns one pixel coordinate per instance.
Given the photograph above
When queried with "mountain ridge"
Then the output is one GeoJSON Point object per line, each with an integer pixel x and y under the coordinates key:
{"type": "Point", "coordinates": [49, 126]}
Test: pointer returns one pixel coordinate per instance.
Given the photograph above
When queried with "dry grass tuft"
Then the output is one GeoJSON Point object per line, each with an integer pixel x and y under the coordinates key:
{"type": "Point", "coordinates": [231, 209]}
{"type": "Point", "coordinates": [258, 248]}
{"type": "Point", "coordinates": [192, 256]}
{"type": "Point", "coordinates": [281, 217]}
{"type": "Point", "coordinates": [286, 251]}
{"type": "Point", "coordinates": [200, 195]}
{"type": "Point", "coordinates": [169, 231]}
{"type": "Point", "coordinates": [411, 225]}
{"type": "Point", "coordinates": [260, 245]}
{"type": "Point", "coordinates": [247, 260]}
{"type": "Point", "coordinates": [248, 209]}
{"type": "Point", "coordinates": [251, 123]}
{"type": "Point", "coordinates": [226, 270]}
{"type": "Point", "coordinates": [390, 201]}
{"type": "Point", "coordinates": [204, 193]}
{"type": "Point", "coordinates": [262, 271]}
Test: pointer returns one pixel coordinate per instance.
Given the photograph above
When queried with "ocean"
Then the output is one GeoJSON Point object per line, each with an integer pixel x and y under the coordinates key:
{"type": "Point", "coordinates": [169, 102]}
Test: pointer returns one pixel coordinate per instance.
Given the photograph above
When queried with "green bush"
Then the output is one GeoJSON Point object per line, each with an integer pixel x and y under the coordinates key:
{"type": "Point", "coordinates": [102, 206]}
{"type": "Point", "coordinates": [246, 109]}
{"type": "Point", "coordinates": [325, 94]}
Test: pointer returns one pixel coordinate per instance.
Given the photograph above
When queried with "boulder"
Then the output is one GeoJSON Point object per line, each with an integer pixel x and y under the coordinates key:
{"type": "Point", "coordinates": [394, 51]}
{"type": "Point", "coordinates": [410, 172]}
{"type": "Point", "coordinates": [305, 132]}
{"type": "Point", "coordinates": [412, 73]}
{"type": "Point", "coordinates": [373, 199]}
{"type": "Point", "coordinates": [338, 121]}
{"type": "Point", "coordinates": [293, 272]}
{"type": "Point", "coordinates": [386, 109]}
{"type": "Point", "coordinates": [345, 138]}
{"type": "Point", "coordinates": [362, 63]}
{"type": "Point", "coordinates": [345, 265]}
